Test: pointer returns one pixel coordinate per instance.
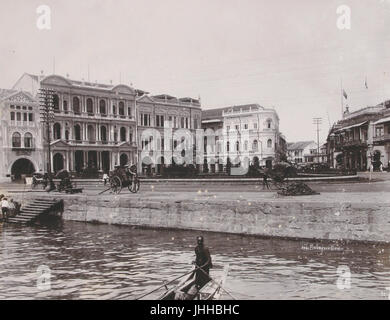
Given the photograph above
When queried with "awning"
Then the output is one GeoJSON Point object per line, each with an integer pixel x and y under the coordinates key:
{"type": "Point", "coordinates": [353, 126]}
{"type": "Point", "coordinates": [382, 121]}
{"type": "Point", "coordinates": [211, 121]}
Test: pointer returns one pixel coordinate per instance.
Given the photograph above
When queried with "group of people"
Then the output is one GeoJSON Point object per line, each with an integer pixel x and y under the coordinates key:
{"type": "Point", "coordinates": [9, 208]}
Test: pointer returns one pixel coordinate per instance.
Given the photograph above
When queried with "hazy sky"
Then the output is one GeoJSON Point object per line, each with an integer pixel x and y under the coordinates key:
{"type": "Point", "coordinates": [286, 54]}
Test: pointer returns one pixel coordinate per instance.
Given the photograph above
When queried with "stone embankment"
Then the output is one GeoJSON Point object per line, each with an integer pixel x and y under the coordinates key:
{"type": "Point", "coordinates": [332, 216]}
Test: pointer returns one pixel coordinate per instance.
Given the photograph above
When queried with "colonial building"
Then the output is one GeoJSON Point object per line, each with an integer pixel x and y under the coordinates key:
{"type": "Point", "coordinates": [361, 138]}
{"type": "Point", "coordinates": [302, 152]}
{"type": "Point", "coordinates": [166, 131]}
{"type": "Point", "coordinates": [247, 134]}
{"type": "Point", "coordinates": [94, 126]}
{"type": "Point", "coordinates": [20, 135]}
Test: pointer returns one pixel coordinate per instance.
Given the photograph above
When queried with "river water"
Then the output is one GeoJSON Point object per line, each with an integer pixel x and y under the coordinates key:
{"type": "Point", "coordinates": [87, 261]}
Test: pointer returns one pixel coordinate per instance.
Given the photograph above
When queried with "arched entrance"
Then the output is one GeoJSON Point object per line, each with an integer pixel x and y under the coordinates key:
{"type": "Point", "coordinates": [58, 162]}
{"type": "Point", "coordinates": [376, 160]}
{"type": "Point", "coordinates": [160, 165]}
{"type": "Point", "coordinates": [124, 159]}
{"type": "Point", "coordinates": [79, 160]}
{"type": "Point", "coordinates": [22, 167]}
{"type": "Point", "coordinates": [268, 163]}
{"type": "Point", "coordinates": [106, 161]}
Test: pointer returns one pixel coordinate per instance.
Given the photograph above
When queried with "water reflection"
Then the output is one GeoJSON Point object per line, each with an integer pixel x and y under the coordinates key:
{"type": "Point", "coordinates": [110, 262]}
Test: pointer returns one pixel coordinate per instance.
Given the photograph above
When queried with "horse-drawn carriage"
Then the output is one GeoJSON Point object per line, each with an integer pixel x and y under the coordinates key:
{"type": "Point", "coordinates": [124, 177]}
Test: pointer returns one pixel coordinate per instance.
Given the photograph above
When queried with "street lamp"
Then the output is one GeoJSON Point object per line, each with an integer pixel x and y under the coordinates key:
{"type": "Point", "coordinates": [47, 118]}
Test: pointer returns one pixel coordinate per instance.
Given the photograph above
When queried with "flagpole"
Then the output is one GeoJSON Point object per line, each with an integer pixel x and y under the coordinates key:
{"type": "Point", "coordinates": [342, 100]}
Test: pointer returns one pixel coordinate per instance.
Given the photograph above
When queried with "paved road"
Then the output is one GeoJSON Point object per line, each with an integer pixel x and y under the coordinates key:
{"type": "Point", "coordinates": [323, 187]}
{"type": "Point", "coordinates": [382, 186]}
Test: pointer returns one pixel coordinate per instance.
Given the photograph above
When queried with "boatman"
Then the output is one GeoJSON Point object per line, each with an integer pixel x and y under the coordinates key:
{"type": "Point", "coordinates": [203, 261]}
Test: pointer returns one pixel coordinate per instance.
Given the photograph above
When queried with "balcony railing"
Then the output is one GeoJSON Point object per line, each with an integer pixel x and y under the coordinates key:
{"type": "Point", "coordinates": [350, 143]}
{"type": "Point", "coordinates": [96, 115]}
{"type": "Point", "coordinates": [23, 148]}
{"type": "Point", "coordinates": [385, 137]}
{"type": "Point", "coordinates": [104, 143]}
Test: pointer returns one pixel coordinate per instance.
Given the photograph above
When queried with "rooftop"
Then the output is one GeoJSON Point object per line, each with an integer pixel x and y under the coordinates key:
{"type": "Point", "coordinates": [217, 113]}
{"type": "Point", "coordinates": [300, 145]}
{"type": "Point", "coordinates": [4, 93]}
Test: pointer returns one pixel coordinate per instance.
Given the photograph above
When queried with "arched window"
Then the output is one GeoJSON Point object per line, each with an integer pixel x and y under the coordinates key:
{"type": "Point", "coordinates": [237, 146]}
{"type": "Point", "coordinates": [76, 105]}
{"type": "Point", "coordinates": [121, 108]}
{"type": "Point", "coordinates": [28, 140]}
{"type": "Point", "coordinates": [255, 146]}
{"type": "Point", "coordinates": [269, 143]}
{"type": "Point", "coordinates": [91, 134]}
{"type": "Point", "coordinates": [89, 106]}
{"type": "Point", "coordinates": [56, 102]}
{"type": "Point", "coordinates": [123, 134]}
{"type": "Point", "coordinates": [77, 132]}
{"type": "Point", "coordinates": [103, 133]}
{"type": "Point", "coordinates": [228, 146]}
{"type": "Point", "coordinates": [67, 135]}
{"type": "Point", "coordinates": [16, 140]}
{"type": "Point", "coordinates": [269, 124]}
{"type": "Point", "coordinates": [102, 107]}
{"type": "Point", "coordinates": [57, 131]}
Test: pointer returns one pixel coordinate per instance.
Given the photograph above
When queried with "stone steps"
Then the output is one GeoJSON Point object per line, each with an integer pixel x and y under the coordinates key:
{"type": "Point", "coordinates": [30, 212]}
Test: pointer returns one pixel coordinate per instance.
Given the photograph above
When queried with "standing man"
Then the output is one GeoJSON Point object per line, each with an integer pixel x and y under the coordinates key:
{"type": "Point", "coordinates": [203, 262]}
{"type": "Point", "coordinates": [4, 208]}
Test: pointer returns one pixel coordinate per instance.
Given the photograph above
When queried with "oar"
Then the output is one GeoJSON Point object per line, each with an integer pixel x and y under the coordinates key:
{"type": "Point", "coordinates": [165, 284]}
{"type": "Point", "coordinates": [218, 284]}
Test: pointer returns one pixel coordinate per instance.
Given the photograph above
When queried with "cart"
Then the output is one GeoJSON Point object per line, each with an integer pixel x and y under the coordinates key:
{"type": "Point", "coordinates": [121, 178]}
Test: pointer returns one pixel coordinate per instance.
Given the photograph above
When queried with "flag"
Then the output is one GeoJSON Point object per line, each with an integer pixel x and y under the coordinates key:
{"type": "Point", "coordinates": [365, 83]}
{"type": "Point", "coordinates": [345, 94]}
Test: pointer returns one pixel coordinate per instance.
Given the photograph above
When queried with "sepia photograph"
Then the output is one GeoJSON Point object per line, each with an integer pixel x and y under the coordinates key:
{"type": "Point", "coordinates": [226, 151]}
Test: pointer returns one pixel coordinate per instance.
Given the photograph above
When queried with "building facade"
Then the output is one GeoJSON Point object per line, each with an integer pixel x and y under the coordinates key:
{"type": "Point", "coordinates": [166, 131]}
{"type": "Point", "coordinates": [101, 126]}
{"type": "Point", "coordinates": [20, 135]}
{"type": "Point", "coordinates": [302, 152]}
{"type": "Point", "coordinates": [94, 126]}
{"type": "Point", "coordinates": [247, 134]}
{"type": "Point", "coordinates": [361, 138]}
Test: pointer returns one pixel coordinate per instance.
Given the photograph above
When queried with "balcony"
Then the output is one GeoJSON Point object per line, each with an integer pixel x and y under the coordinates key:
{"type": "Point", "coordinates": [104, 143]}
{"type": "Point", "coordinates": [23, 149]}
{"type": "Point", "coordinates": [97, 116]}
{"type": "Point", "coordinates": [351, 143]}
{"type": "Point", "coordinates": [385, 137]}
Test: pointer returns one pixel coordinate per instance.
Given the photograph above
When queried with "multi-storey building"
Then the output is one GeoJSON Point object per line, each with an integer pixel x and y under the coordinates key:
{"type": "Point", "coordinates": [94, 126]}
{"type": "Point", "coordinates": [247, 134]}
{"type": "Point", "coordinates": [101, 126]}
{"type": "Point", "coordinates": [361, 138]}
{"type": "Point", "coordinates": [20, 138]}
{"type": "Point", "coordinates": [302, 152]}
{"type": "Point", "coordinates": [164, 122]}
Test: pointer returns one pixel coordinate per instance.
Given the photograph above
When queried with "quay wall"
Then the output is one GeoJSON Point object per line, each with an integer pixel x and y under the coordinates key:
{"type": "Point", "coordinates": [331, 217]}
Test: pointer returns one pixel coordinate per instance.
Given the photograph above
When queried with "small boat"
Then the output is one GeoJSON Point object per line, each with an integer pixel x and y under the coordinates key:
{"type": "Point", "coordinates": [187, 290]}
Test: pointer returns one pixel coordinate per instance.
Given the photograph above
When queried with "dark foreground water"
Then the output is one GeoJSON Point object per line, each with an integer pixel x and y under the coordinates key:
{"type": "Point", "coordinates": [108, 262]}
